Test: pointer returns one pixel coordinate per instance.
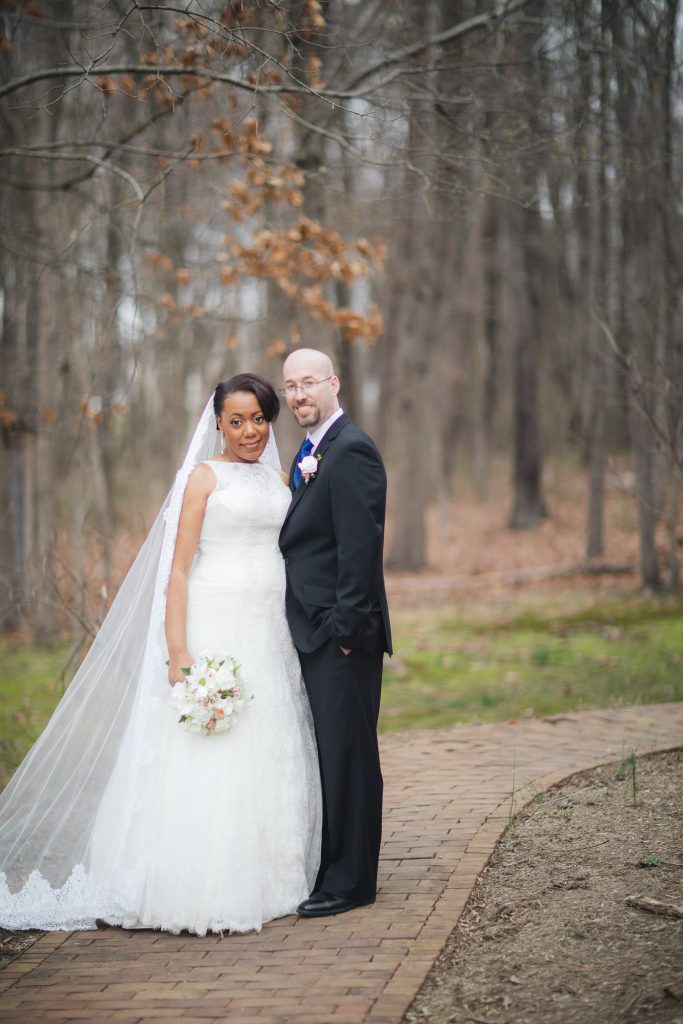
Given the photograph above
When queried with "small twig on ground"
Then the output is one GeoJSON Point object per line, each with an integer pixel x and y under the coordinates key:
{"type": "Point", "coordinates": [655, 906]}
{"type": "Point", "coordinates": [630, 1004]}
{"type": "Point", "coordinates": [634, 781]}
{"type": "Point", "coordinates": [511, 812]}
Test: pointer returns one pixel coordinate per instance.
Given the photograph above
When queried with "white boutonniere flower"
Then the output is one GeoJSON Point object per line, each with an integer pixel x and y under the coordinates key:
{"type": "Point", "coordinates": [309, 466]}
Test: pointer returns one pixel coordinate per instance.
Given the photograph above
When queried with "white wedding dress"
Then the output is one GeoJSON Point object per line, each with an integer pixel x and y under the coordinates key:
{"type": "Point", "coordinates": [220, 832]}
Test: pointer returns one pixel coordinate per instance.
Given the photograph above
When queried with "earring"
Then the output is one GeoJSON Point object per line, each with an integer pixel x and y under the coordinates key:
{"type": "Point", "coordinates": [222, 443]}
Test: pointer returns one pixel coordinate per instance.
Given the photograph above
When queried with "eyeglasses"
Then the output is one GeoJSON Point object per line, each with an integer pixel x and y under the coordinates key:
{"type": "Point", "coordinates": [292, 389]}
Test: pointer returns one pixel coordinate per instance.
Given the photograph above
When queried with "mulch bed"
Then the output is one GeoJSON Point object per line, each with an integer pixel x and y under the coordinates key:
{"type": "Point", "coordinates": [548, 935]}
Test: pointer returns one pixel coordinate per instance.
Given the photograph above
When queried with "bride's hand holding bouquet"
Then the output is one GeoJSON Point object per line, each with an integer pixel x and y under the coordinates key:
{"type": "Point", "coordinates": [179, 665]}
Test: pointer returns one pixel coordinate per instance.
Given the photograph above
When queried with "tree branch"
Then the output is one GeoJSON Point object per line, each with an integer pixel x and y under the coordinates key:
{"type": "Point", "coordinates": [97, 161]}
{"type": "Point", "coordinates": [455, 32]}
{"type": "Point", "coordinates": [78, 179]}
{"type": "Point", "coordinates": [53, 150]}
{"type": "Point", "coordinates": [349, 92]}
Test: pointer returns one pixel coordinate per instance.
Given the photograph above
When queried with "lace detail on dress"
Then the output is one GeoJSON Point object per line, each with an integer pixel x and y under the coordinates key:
{"type": "Point", "coordinates": [76, 905]}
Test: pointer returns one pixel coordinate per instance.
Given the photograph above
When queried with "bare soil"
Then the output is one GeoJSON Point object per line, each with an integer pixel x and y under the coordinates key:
{"type": "Point", "coordinates": [547, 936]}
{"type": "Point", "coordinates": [472, 550]}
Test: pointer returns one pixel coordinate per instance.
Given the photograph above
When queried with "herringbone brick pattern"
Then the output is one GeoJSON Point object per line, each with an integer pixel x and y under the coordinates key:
{"type": "Point", "coordinates": [447, 799]}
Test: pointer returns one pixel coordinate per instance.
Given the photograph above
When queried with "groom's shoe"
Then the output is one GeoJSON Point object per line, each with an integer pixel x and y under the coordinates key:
{"type": "Point", "coordinates": [323, 904]}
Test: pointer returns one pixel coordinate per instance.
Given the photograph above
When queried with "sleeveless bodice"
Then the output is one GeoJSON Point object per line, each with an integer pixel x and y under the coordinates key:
{"type": "Point", "coordinates": [238, 544]}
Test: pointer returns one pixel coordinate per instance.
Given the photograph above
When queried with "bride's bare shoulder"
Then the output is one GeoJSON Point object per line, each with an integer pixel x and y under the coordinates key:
{"type": "Point", "coordinates": [202, 479]}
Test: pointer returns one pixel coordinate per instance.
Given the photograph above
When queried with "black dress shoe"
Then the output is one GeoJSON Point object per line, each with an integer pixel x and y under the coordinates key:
{"type": "Point", "coordinates": [322, 904]}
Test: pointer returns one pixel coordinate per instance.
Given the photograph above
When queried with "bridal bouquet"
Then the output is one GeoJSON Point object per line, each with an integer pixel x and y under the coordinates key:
{"type": "Point", "coordinates": [209, 698]}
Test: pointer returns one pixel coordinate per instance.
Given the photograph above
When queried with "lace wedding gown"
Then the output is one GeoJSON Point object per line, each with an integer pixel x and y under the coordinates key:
{"type": "Point", "coordinates": [216, 832]}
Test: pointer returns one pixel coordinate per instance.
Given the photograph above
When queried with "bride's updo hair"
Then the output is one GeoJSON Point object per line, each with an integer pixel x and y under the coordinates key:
{"type": "Point", "coordinates": [264, 393]}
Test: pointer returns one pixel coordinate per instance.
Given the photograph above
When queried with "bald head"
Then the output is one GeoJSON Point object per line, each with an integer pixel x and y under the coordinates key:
{"type": "Point", "coordinates": [311, 386]}
{"type": "Point", "coordinates": [307, 362]}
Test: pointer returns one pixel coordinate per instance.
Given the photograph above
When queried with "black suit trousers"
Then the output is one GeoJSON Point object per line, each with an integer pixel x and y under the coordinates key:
{"type": "Point", "coordinates": [344, 693]}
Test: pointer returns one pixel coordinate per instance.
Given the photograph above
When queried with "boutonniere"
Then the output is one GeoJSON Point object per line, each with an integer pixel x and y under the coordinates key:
{"type": "Point", "coordinates": [309, 466]}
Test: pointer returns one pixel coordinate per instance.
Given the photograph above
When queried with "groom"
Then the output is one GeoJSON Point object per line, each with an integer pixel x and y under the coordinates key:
{"type": "Point", "coordinates": [332, 540]}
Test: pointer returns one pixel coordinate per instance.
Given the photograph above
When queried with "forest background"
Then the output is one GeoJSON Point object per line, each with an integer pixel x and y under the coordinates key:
{"type": "Point", "coordinates": [474, 207]}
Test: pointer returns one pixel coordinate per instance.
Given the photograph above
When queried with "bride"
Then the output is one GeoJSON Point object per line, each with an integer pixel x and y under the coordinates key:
{"type": "Point", "coordinates": [121, 814]}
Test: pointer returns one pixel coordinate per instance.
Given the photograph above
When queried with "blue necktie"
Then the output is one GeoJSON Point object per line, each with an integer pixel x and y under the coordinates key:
{"type": "Point", "coordinates": [306, 449]}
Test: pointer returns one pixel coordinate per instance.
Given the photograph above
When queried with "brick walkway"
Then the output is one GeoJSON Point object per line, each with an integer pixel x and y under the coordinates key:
{"type": "Point", "coordinates": [448, 796]}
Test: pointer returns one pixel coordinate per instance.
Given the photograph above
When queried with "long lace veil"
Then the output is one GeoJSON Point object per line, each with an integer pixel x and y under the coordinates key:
{"type": "Point", "coordinates": [49, 809]}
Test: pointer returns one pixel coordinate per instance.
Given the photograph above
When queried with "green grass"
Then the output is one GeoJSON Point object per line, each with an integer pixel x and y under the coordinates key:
{"type": "Point", "coordinates": [531, 657]}
{"type": "Point", "coordinates": [476, 662]}
{"type": "Point", "coordinates": [30, 688]}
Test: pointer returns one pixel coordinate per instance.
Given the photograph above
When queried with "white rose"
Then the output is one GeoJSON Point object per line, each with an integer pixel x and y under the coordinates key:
{"type": "Point", "coordinates": [308, 465]}
{"type": "Point", "coordinates": [202, 715]}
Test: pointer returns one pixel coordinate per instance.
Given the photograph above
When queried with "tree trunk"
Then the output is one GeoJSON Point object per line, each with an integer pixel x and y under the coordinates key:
{"type": "Point", "coordinates": [640, 282]}
{"type": "Point", "coordinates": [491, 286]}
{"type": "Point", "coordinates": [13, 565]}
{"type": "Point", "coordinates": [528, 506]}
{"type": "Point", "coordinates": [672, 255]}
{"type": "Point", "coordinates": [674, 515]}
{"type": "Point", "coordinates": [645, 493]}
{"type": "Point", "coordinates": [595, 544]}
{"type": "Point", "coordinates": [409, 454]}
{"type": "Point", "coordinates": [44, 327]}
{"type": "Point", "coordinates": [598, 310]}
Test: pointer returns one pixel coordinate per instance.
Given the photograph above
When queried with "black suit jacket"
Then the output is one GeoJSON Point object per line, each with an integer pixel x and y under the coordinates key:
{"type": "Point", "coordinates": [332, 540]}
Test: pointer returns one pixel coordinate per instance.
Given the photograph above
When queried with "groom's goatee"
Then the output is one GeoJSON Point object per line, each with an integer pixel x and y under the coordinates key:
{"type": "Point", "coordinates": [310, 414]}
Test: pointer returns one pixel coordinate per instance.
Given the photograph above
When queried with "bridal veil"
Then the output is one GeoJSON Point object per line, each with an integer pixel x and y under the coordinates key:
{"type": "Point", "coordinates": [49, 809]}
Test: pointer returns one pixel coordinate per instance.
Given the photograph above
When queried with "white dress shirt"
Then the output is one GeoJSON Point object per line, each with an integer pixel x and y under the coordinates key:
{"type": "Point", "coordinates": [318, 434]}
